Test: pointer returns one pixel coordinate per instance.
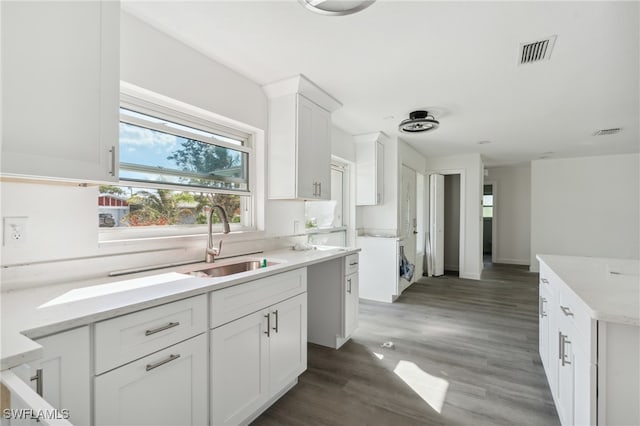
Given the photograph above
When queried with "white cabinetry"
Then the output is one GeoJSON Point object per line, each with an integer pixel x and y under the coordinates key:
{"type": "Point", "coordinates": [370, 169]}
{"type": "Point", "coordinates": [168, 387]}
{"type": "Point", "coordinates": [63, 373]}
{"type": "Point", "coordinates": [299, 140]}
{"type": "Point", "coordinates": [150, 368]}
{"type": "Point", "coordinates": [333, 289]}
{"type": "Point", "coordinates": [60, 89]}
{"type": "Point", "coordinates": [257, 350]}
{"type": "Point", "coordinates": [591, 365]}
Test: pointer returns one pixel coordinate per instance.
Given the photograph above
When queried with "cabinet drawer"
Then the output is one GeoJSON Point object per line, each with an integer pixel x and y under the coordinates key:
{"type": "Point", "coordinates": [577, 320]}
{"type": "Point", "coordinates": [129, 337]}
{"type": "Point", "coordinates": [234, 302]}
{"type": "Point", "coordinates": [351, 264]}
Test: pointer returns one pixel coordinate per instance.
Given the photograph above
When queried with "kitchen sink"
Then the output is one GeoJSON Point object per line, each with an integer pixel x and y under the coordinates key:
{"type": "Point", "coordinates": [231, 268]}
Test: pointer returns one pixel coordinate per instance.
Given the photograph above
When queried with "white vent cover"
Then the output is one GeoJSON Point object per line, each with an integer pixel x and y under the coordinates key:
{"type": "Point", "coordinates": [605, 132]}
{"type": "Point", "coordinates": [536, 51]}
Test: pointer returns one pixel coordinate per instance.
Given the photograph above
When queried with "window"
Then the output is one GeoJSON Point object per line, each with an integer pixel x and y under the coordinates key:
{"type": "Point", "coordinates": [173, 168]}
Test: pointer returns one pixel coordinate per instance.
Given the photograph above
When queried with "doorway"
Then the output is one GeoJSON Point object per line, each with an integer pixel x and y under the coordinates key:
{"type": "Point", "coordinates": [446, 242]}
{"type": "Point", "coordinates": [408, 219]}
{"type": "Point", "coordinates": [488, 223]}
{"type": "Point", "coordinates": [452, 224]}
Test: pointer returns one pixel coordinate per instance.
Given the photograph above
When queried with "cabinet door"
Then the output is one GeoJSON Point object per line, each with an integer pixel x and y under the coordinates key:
{"type": "Point", "coordinates": [60, 71]}
{"type": "Point", "coordinates": [314, 151]}
{"type": "Point", "coordinates": [543, 316]}
{"type": "Point", "coordinates": [565, 377]}
{"type": "Point", "coordinates": [287, 342]}
{"type": "Point", "coordinates": [239, 368]}
{"type": "Point", "coordinates": [351, 303]}
{"type": "Point", "coordinates": [168, 387]}
{"type": "Point", "coordinates": [66, 376]}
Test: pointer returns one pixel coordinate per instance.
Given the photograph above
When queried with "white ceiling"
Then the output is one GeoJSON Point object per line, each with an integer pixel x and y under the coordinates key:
{"type": "Point", "coordinates": [457, 59]}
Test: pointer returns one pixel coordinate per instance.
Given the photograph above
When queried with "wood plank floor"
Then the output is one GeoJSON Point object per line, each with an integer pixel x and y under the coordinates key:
{"type": "Point", "coordinates": [465, 353]}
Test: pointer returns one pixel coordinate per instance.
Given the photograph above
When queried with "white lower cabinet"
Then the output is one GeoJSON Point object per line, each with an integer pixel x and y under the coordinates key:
{"type": "Point", "coordinates": [255, 358]}
{"type": "Point", "coordinates": [351, 304]}
{"type": "Point", "coordinates": [591, 365]}
{"type": "Point", "coordinates": [63, 376]}
{"type": "Point", "coordinates": [168, 387]}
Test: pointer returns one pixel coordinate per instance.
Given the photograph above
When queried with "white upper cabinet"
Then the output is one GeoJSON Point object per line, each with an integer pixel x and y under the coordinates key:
{"type": "Point", "coordinates": [60, 89]}
{"type": "Point", "coordinates": [299, 148]}
{"type": "Point", "coordinates": [370, 169]}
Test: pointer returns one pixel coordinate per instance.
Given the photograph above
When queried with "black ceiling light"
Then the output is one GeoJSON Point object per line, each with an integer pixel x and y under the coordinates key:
{"type": "Point", "coordinates": [336, 7]}
{"type": "Point", "coordinates": [419, 121]}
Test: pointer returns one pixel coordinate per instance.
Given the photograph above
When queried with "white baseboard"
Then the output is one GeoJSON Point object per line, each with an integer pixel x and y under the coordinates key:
{"type": "Point", "coordinates": [469, 276]}
{"type": "Point", "coordinates": [524, 262]}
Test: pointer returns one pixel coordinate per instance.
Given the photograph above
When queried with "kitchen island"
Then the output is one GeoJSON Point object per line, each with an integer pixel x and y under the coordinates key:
{"type": "Point", "coordinates": [589, 313]}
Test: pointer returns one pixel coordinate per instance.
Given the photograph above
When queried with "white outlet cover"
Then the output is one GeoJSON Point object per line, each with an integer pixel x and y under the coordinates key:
{"type": "Point", "coordinates": [14, 231]}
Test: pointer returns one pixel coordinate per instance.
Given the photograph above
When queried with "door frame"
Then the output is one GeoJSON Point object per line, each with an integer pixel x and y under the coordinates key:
{"type": "Point", "coordinates": [494, 220]}
{"type": "Point", "coordinates": [463, 212]}
{"type": "Point", "coordinates": [403, 239]}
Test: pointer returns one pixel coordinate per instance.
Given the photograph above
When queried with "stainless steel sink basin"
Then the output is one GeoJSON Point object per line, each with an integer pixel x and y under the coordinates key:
{"type": "Point", "coordinates": [231, 268]}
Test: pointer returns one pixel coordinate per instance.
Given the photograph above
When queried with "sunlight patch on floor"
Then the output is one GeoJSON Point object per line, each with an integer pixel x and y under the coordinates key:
{"type": "Point", "coordinates": [432, 389]}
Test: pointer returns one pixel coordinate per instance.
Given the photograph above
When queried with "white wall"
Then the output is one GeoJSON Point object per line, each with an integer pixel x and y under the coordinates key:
{"type": "Point", "coordinates": [472, 169]}
{"type": "Point", "coordinates": [586, 206]}
{"type": "Point", "coordinates": [452, 222]}
{"type": "Point", "coordinates": [512, 213]}
{"type": "Point", "coordinates": [342, 144]}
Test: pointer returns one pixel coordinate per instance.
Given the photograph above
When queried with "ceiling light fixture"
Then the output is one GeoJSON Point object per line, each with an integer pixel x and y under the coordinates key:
{"type": "Point", "coordinates": [419, 121]}
{"type": "Point", "coordinates": [335, 7]}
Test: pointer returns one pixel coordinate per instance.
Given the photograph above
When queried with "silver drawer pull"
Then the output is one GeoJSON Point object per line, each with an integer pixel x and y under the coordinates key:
{"type": "Point", "coordinates": [544, 280]}
{"type": "Point", "coordinates": [164, 361]}
{"type": "Point", "coordinates": [354, 263]}
{"type": "Point", "coordinates": [163, 328]}
{"type": "Point", "coordinates": [268, 332]}
{"type": "Point", "coordinates": [38, 379]}
{"type": "Point", "coordinates": [566, 311]}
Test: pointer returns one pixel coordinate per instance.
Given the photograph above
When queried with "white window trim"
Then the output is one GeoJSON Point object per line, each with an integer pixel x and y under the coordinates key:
{"type": "Point", "coordinates": [148, 102]}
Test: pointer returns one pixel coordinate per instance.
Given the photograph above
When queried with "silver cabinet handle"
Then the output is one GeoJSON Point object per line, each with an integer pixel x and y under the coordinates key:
{"type": "Point", "coordinates": [541, 303]}
{"type": "Point", "coordinates": [164, 361]}
{"type": "Point", "coordinates": [560, 345]}
{"type": "Point", "coordinates": [38, 380]}
{"type": "Point", "coordinates": [544, 314]}
{"type": "Point", "coordinates": [565, 341]}
{"type": "Point", "coordinates": [163, 328]}
{"type": "Point", "coordinates": [353, 263]}
{"type": "Point", "coordinates": [566, 311]}
{"type": "Point", "coordinates": [320, 189]}
{"type": "Point", "coordinates": [544, 280]}
{"type": "Point", "coordinates": [349, 286]}
{"type": "Point", "coordinates": [268, 332]}
{"type": "Point", "coordinates": [112, 151]}
{"type": "Point", "coordinates": [275, 314]}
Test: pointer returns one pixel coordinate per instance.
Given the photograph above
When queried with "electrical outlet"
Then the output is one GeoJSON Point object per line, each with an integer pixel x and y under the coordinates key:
{"type": "Point", "coordinates": [15, 231]}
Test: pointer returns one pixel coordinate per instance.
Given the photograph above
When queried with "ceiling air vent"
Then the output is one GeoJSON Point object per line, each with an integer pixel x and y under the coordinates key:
{"type": "Point", "coordinates": [605, 132]}
{"type": "Point", "coordinates": [536, 51]}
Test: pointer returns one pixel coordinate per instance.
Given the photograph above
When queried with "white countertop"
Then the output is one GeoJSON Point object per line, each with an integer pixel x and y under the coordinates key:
{"type": "Point", "coordinates": [609, 288]}
{"type": "Point", "coordinates": [36, 312]}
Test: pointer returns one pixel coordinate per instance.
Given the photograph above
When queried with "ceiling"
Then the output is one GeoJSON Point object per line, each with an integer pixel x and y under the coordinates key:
{"type": "Point", "coordinates": [459, 60]}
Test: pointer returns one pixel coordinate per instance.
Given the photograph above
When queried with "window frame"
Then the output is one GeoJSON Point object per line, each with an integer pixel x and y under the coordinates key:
{"type": "Point", "coordinates": [149, 103]}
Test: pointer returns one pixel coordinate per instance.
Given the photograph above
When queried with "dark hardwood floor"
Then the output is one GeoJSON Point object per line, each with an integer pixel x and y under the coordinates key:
{"type": "Point", "coordinates": [464, 353]}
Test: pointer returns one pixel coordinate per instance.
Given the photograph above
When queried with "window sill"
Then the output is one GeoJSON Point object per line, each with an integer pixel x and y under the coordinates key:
{"type": "Point", "coordinates": [238, 235]}
{"type": "Point", "coordinates": [311, 231]}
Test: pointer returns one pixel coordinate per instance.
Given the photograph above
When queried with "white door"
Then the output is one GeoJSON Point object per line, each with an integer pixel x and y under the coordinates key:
{"type": "Point", "coordinates": [287, 342]}
{"type": "Point", "coordinates": [314, 151]}
{"type": "Point", "coordinates": [436, 225]}
{"type": "Point", "coordinates": [408, 218]}
{"type": "Point", "coordinates": [168, 387]}
{"type": "Point", "coordinates": [65, 375]}
{"type": "Point", "coordinates": [566, 377]}
{"type": "Point", "coordinates": [239, 368]}
{"type": "Point", "coordinates": [543, 316]}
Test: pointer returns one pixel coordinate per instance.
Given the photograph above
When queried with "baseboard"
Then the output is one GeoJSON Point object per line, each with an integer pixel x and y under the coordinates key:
{"type": "Point", "coordinates": [469, 276]}
{"type": "Point", "coordinates": [524, 262]}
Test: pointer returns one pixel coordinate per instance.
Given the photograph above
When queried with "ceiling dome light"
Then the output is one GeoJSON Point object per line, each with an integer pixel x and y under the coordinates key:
{"type": "Point", "coordinates": [419, 121]}
{"type": "Point", "coordinates": [335, 7]}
